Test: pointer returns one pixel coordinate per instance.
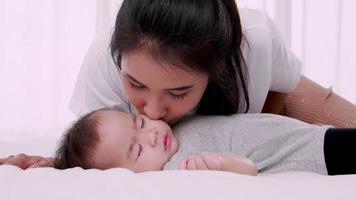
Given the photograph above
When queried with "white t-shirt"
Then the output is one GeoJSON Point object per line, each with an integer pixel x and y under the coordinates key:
{"type": "Point", "coordinates": [271, 65]}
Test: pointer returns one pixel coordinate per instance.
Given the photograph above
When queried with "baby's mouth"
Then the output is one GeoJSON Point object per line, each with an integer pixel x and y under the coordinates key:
{"type": "Point", "coordinates": [167, 142]}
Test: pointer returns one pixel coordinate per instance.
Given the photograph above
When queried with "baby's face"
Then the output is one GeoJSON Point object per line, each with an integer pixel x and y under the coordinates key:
{"type": "Point", "coordinates": [133, 141]}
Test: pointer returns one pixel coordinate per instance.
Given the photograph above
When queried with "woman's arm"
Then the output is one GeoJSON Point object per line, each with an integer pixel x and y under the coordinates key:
{"type": "Point", "coordinates": [24, 161]}
{"type": "Point", "coordinates": [274, 103]}
{"type": "Point", "coordinates": [314, 104]}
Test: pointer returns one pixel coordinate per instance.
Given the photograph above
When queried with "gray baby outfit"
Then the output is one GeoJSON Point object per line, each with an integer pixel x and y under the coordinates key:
{"type": "Point", "coordinates": [275, 143]}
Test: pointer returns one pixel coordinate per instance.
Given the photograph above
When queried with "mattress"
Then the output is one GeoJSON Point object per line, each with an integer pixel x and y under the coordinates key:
{"type": "Point", "coordinates": [76, 183]}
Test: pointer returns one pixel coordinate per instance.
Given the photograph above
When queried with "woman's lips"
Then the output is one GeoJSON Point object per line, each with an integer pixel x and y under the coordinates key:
{"type": "Point", "coordinates": [167, 142]}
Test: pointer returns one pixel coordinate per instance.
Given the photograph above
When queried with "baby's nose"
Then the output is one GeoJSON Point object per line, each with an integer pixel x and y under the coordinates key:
{"type": "Point", "coordinates": [150, 137]}
{"type": "Point", "coordinates": [153, 138]}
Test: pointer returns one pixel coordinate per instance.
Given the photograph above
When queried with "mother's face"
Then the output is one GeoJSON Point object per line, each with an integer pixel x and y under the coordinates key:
{"type": "Point", "coordinates": [160, 90]}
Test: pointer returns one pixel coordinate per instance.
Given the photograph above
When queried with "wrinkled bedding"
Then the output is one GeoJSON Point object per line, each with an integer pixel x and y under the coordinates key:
{"type": "Point", "coordinates": [48, 183]}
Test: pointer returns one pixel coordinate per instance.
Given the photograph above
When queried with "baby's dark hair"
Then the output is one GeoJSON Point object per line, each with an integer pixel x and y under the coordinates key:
{"type": "Point", "coordinates": [78, 143]}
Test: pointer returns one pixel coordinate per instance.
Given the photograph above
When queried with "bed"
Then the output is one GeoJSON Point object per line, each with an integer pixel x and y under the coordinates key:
{"type": "Point", "coordinates": [76, 183]}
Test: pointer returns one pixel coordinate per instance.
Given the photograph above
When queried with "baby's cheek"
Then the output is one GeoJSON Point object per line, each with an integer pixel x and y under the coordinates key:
{"type": "Point", "coordinates": [154, 163]}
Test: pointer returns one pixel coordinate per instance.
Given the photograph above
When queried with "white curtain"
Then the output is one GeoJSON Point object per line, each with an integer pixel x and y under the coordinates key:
{"type": "Point", "coordinates": [322, 34]}
{"type": "Point", "coordinates": [43, 43]}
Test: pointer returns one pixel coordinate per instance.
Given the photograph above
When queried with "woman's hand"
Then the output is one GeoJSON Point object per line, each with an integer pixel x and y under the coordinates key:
{"type": "Point", "coordinates": [24, 161]}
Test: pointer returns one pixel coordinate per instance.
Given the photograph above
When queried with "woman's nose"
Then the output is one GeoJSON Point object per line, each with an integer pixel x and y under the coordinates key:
{"type": "Point", "coordinates": [154, 110]}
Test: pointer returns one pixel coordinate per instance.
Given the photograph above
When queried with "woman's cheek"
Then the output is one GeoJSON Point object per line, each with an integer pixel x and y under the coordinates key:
{"type": "Point", "coordinates": [133, 95]}
{"type": "Point", "coordinates": [181, 108]}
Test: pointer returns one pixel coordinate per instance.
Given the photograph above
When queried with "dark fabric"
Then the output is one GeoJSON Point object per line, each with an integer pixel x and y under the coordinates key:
{"type": "Point", "coordinates": [340, 151]}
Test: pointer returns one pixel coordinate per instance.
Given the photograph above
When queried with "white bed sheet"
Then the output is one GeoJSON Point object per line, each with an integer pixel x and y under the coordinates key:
{"type": "Point", "coordinates": [48, 183]}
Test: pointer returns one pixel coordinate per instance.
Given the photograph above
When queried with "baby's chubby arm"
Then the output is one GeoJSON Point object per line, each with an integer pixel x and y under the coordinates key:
{"type": "Point", "coordinates": [220, 162]}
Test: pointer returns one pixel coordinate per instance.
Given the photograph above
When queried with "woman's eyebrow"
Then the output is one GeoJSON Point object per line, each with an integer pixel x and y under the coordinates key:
{"type": "Point", "coordinates": [133, 79]}
{"type": "Point", "coordinates": [182, 88]}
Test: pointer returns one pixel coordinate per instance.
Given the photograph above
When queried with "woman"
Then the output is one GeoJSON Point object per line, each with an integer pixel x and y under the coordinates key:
{"type": "Point", "coordinates": [171, 58]}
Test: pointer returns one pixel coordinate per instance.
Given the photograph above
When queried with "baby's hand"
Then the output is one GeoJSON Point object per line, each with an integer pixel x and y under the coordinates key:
{"type": "Point", "coordinates": [206, 161]}
{"type": "Point", "coordinates": [220, 162]}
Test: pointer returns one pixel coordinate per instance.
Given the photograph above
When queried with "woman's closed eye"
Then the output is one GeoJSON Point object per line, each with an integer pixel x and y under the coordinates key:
{"type": "Point", "coordinates": [177, 97]}
{"type": "Point", "coordinates": [136, 86]}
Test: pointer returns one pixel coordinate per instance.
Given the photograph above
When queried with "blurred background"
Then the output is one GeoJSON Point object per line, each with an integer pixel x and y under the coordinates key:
{"type": "Point", "coordinates": [43, 42]}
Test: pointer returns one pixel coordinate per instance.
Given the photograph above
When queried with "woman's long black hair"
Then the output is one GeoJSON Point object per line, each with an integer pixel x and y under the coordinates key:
{"type": "Point", "coordinates": [202, 36]}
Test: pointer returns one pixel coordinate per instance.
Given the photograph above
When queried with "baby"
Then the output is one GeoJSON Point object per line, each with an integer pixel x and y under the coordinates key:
{"type": "Point", "coordinates": [107, 139]}
{"type": "Point", "coordinates": [245, 144]}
